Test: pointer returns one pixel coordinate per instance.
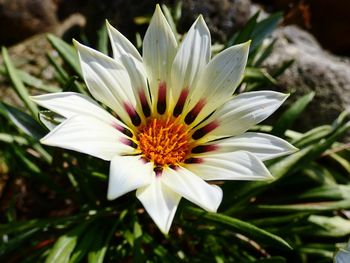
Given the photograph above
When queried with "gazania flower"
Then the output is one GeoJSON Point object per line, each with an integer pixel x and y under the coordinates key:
{"type": "Point", "coordinates": [176, 123]}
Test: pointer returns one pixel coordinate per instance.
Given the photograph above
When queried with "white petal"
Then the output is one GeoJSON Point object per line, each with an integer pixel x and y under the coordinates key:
{"type": "Point", "coordinates": [242, 113]}
{"type": "Point", "coordinates": [238, 165]}
{"type": "Point", "coordinates": [125, 52]}
{"type": "Point", "coordinates": [160, 203]}
{"type": "Point", "coordinates": [159, 49]}
{"type": "Point", "coordinates": [193, 188]}
{"type": "Point", "coordinates": [262, 145]}
{"type": "Point", "coordinates": [107, 80]}
{"type": "Point", "coordinates": [128, 173]}
{"type": "Point", "coordinates": [191, 58]}
{"type": "Point", "coordinates": [121, 45]}
{"type": "Point", "coordinates": [88, 135]}
{"type": "Point", "coordinates": [69, 104]}
{"type": "Point", "coordinates": [219, 79]}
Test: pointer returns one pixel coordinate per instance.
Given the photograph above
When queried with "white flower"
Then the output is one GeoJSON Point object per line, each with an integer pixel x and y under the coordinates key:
{"type": "Point", "coordinates": [163, 143]}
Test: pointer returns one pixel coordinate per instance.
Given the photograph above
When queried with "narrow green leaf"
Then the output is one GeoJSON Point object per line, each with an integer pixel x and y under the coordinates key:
{"type": "Point", "coordinates": [335, 226]}
{"type": "Point", "coordinates": [258, 75]}
{"type": "Point", "coordinates": [18, 84]}
{"type": "Point", "coordinates": [16, 241]}
{"type": "Point", "coordinates": [312, 136]}
{"type": "Point", "coordinates": [264, 28]}
{"type": "Point", "coordinates": [84, 243]}
{"type": "Point", "coordinates": [61, 74]}
{"type": "Point", "coordinates": [245, 33]}
{"type": "Point", "coordinates": [307, 207]}
{"type": "Point", "coordinates": [67, 53]}
{"type": "Point", "coordinates": [24, 122]}
{"type": "Point", "coordinates": [9, 138]}
{"type": "Point", "coordinates": [327, 192]}
{"type": "Point", "coordinates": [102, 40]}
{"type": "Point", "coordinates": [32, 81]}
{"type": "Point", "coordinates": [290, 115]}
{"type": "Point", "coordinates": [264, 54]}
{"type": "Point", "coordinates": [285, 65]}
{"type": "Point", "coordinates": [249, 230]}
{"type": "Point", "coordinates": [64, 246]}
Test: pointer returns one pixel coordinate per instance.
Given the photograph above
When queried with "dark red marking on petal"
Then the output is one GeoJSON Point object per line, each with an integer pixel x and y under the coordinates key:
{"type": "Point", "coordinates": [192, 115]}
{"type": "Point", "coordinates": [144, 104]}
{"type": "Point", "coordinates": [180, 102]}
{"type": "Point", "coordinates": [124, 130]}
{"type": "Point", "coordinates": [204, 130]}
{"type": "Point", "coordinates": [129, 142]}
{"type": "Point", "coordinates": [204, 148]}
{"type": "Point", "coordinates": [134, 116]}
{"type": "Point", "coordinates": [193, 160]}
{"type": "Point", "coordinates": [173, 166]}
{"type": "Point", "coordinates": [158, 170]}
{"type": "Point", "coordinates": [161, 103]}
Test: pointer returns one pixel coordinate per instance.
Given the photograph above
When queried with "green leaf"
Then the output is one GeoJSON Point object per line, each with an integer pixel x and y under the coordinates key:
{"type": "Point", "coordinates": [312, 136]}
{"type": "Point", "coordinates": [306, 207]}
{"type": "Point", "coordinates": [67, 53]}
{"type": "Point", "coordinates": [99, 248]}
{"type": "Point", "coordinates": [64, 246]}
{"type": "Point", "coordinates": [245, 33]}
{"type": "Point", "coordinates": [264, 28]}
{"type": "Point", "coordinates": [84, 243]}
{"type": "Point", "coordinates": [24, 121]}
{"type": "Point", "coordinates": [16, 241]}
{"type": "Point", "coordinates": [279, 71]}
{"type": "Point", "coordinates": [335, 226]}
{"type": "Point", "coordinates": [102, 40]}
{"type": "Point", "coordinates": [60, 73]}
{"type": "Point", "coordinates": [18, 84]}
{"type": "Point", "coordinates": [258, 75]}
{"type": "Point", "coordinates": [264, 53]}
{"type": "Point", "coordinates": [32, 81]}
{"type": "Point", "coordinates": [290, 115]}
{"type": "Point", "coordinates": [249, 230]}
{"type": "Point", "coordinates": [327, 192]}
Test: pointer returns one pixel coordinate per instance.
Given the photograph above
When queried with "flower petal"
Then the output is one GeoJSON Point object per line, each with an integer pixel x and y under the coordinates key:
{"type": "Point", "coordinates": [69, 104]}
{"type": "Point", "coordinates": [238, 165]}
{"type": "Point", "coordinates": [89, 135]}
{"type": "Point", "coordinates": [160, 203]}
{"type": "Point", "coordinates": [159, 49]}
{"type": "Point", "coordinates": [128, 173]}
{"type": "Point", "coordinates": [262, 145]}
{"type": "Point", "coordinates": [240, 114]}
{"type": "Point", "coordinates": [108, 81]}
{"type": "Point", "coordinates": [120, 44]}
{"type": "Point", "coordinates": [218, 81]}
{"type": "Point", "coordinates": [191, 58]}
{"type": "Point", "coordinates": [125, 52]}
{"type": "Point", "coordinates": [193, 188]}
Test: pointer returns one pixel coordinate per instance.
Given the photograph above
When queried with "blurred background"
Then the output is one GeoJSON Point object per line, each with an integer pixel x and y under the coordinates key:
{"type": "Point", "coordinates": [302, 47]}
{"type": "Point", "coordinates": [314, 34]}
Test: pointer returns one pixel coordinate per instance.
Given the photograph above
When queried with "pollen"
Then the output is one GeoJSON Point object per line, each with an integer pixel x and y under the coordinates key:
{"type": "Point", "coordinates": [164, 141]}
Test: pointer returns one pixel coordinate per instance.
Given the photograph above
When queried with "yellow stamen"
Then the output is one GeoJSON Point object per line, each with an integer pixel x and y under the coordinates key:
{"type": "Point", "coordinates": [165, 142]}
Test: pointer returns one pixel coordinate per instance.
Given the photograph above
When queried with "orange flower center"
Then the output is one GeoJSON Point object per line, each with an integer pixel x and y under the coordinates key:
{"type": "Point", "coordinates": [165, 142]}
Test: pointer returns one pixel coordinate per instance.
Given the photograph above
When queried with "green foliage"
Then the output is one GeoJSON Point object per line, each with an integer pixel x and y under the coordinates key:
{"type": "Point", "coordinates": [298, 217]}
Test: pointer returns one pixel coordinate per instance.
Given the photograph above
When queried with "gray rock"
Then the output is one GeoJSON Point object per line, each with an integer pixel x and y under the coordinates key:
{"type": "Point", "coordinates": [314, 69]}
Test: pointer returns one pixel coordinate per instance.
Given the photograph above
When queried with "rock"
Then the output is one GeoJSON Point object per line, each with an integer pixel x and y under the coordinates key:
{"type": "Point", "coordinates": [21, 19]}
{"type": "Point", "coordinates": [30, 56]}
{"type": "Point", "coordinates": [224, 17]}
{"type": "Point", "coordinates": [328, 20]}
{"type": "Point", "coordinates": [314, 69]}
